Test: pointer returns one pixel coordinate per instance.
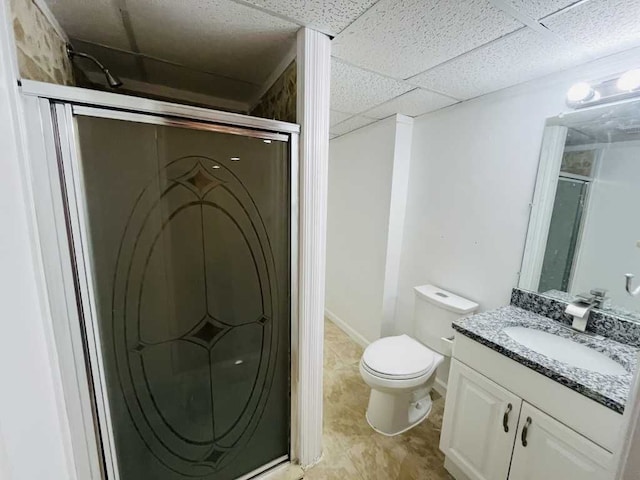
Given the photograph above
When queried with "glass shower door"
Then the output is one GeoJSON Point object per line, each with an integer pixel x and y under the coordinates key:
{"type": "Point", "coordinates": [564, 233]}
{"type": "Point", "coordinates": [186, 241]}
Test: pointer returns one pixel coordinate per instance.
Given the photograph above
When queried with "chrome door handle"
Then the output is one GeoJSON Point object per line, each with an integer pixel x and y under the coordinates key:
{"type": "Point", "coordinates": [525, 430]}
{"type": "Point", "coordinates": [505, 418]}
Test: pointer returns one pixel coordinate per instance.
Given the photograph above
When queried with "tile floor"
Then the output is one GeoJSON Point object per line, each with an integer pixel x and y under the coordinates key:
{"type": "Point", "coordinates": [352, 450]}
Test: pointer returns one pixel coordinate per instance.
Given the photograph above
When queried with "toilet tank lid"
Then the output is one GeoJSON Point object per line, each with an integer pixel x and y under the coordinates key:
{"type": "Point", "coordinates": [446, 300]}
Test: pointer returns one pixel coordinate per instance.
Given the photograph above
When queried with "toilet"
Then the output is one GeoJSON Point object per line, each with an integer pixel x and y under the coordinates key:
{"type": "Point", "coordinates": [401, 370]}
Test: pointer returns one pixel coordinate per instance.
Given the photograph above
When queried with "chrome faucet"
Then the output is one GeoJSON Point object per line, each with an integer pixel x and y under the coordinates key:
{"type": "Point", "coordinates": [581, 306]}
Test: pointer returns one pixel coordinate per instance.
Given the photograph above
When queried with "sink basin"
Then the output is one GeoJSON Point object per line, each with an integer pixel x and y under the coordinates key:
{"type": "Point", "coordinates": [565, 350]}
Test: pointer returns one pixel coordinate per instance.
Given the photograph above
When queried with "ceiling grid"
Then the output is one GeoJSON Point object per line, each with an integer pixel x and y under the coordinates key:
{"type": "Point", "coordinates": [390, 56]}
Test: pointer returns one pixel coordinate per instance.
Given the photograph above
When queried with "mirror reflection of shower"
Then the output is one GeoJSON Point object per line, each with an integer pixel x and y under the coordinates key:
{"type": "Point", "coordinates": [592, 239]}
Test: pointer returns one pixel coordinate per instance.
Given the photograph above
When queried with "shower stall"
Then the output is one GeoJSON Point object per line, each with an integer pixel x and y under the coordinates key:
{"type": "Point", "coordinates": [175, 234]}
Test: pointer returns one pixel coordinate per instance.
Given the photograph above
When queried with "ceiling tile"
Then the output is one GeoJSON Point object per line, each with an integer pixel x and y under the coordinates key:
{"type": "Point", "coordinates": [602, 26]}
{"type": "Point", "coordinates": [337, 117]}
{"type": "Point", "coordinates": [328, 16]}
{"type": "Point", "coordinates": [414, 103]}
{"type": "Point", "coordinates": [218, 36]}
{"type": "Point", "coordinates": [516, 58]}
{"type": "Point", "coordinates": [354, 90]}
{"type": "Point", "coordinates": [537, 9]}
{"type": "Point", "coordinates": [401, 38]}
{"type": "Point", "coordinates": [97, 21]}
{"type": "Point", "coordinates": [352, 124]}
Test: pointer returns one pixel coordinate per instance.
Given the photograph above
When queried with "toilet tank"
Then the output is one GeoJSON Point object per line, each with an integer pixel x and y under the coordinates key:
{"type": "Point", "coordinates": [433, 313]}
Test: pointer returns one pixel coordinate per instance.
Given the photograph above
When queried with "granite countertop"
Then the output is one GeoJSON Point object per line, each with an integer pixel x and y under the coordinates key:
{"type": "Point", "coordinates": [609, 390]}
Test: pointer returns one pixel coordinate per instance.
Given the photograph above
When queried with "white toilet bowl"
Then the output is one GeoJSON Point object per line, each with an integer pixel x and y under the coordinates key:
{"type": "Point", "coordinates": [400, 371]}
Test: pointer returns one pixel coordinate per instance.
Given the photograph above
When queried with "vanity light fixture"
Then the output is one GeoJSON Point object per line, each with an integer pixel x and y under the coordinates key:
{"type": "Point", "coordinates": [580, 92]}
{"type": "Point", "coordinates": [609, 89]}
{"type": "Point", "coordinates": [629, 81]}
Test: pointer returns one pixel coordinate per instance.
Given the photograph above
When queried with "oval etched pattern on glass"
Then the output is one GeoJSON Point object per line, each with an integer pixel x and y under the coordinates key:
{"type": "Point", "coordinates": [193, 335]}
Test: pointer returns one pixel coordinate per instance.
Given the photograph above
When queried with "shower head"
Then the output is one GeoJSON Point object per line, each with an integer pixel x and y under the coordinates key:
{"type": "Point", "coordinates": [112, 80]}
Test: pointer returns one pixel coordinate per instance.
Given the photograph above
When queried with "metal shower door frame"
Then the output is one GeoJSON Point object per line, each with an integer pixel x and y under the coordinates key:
{"type": "Point", "coordinates": [77, 340]}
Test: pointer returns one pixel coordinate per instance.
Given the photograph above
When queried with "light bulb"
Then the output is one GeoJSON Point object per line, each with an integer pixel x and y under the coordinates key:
{"type": "Point", "coordinates": [580, 92]}
{"type": "Point", "coordinates": [235, 159]}
{"type": "Point", "coordinates": [629, 81]}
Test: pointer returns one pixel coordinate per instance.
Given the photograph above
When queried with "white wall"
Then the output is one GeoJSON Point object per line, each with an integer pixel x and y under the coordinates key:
{"type": "Point", "coordinates": [368, 175]}
{"type": "Point", "coordinates": [608, 247]}
{"type": "Point", "coordinates": [34, 440]}
{"type": "Point", "coordinates": [473, 169]}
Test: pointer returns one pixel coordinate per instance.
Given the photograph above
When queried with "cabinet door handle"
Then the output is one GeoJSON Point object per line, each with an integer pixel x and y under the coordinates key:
{"type": "Point", "coordinates": [505, 418]}
{"type": "Point", "coordinates": [525, 430]}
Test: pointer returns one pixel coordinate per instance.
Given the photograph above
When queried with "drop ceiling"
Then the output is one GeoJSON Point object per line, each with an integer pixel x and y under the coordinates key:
{"type": "Point", "coordinates": [389, 56]}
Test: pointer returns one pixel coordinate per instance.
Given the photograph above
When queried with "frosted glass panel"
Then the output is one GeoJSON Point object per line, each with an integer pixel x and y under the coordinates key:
{"type": "Point", "coordinates": [190, 257]}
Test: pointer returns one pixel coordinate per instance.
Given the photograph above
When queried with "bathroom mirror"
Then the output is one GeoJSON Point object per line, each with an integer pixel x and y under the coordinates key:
{"type": "Point", "coordinates": [584, 230]}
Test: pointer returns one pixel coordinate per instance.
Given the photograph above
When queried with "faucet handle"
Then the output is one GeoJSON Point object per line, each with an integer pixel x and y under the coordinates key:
{"type": "Point", "coordinates": [599, 293]}
{"type": "Point", "coordinates": [584, 297]}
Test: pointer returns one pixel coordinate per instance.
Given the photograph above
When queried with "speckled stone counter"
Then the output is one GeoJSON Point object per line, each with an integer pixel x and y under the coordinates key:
{"type": "Point", "coordinates": [609, 390]}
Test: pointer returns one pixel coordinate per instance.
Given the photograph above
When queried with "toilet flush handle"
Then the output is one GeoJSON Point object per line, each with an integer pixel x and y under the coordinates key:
{"type": "Point", "coordinates": [447, 345]}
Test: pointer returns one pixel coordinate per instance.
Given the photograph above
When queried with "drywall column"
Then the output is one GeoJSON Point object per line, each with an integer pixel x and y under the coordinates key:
{"type": "Point", "coordinates": [314, 75]}
{"type": "Point", "coordinates": [397, 210]}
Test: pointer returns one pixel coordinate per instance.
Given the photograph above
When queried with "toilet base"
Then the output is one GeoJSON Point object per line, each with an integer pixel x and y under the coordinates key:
{"type": "Point", "coordinates": [393, 414]}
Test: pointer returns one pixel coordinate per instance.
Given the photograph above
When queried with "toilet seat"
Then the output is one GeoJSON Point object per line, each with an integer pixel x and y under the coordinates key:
{"type": "Point", "coordinates": [399, 358]}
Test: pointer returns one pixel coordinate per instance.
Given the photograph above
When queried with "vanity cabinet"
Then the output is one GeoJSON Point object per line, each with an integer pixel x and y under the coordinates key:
{"type": "Point", "coordinates": [479, 424]}
{"type": "Point", "coordinates": [490, 433]}
{"type": "Point", "coordinates": [546, 449]}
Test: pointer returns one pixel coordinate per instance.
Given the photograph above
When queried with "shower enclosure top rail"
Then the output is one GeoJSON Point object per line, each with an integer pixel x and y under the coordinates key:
{"type": "Point", "coordinates": [97, 98]}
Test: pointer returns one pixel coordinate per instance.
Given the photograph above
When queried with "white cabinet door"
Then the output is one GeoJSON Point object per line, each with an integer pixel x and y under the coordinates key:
{"type": "Point", "coordinates": [548, 450]}
{"type": "Point", "coordinates": [479, 425]}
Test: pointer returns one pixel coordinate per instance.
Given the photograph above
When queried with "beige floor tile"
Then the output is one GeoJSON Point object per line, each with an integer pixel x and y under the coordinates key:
{"type": "Point", "coordinates": [340, 468]}
{"type": "Point", "coordinates": [345, 388]}
{"type": "Point", "coordinates": [347, 351]}
{"type": "Point", "coordinates": [291, 472]}
{"type": "Point", "coordinates": [376, 461]}
{"type": "Point", "coordinates": [331, 330]}
{"type": "Point", "coordinates": [332, 360]}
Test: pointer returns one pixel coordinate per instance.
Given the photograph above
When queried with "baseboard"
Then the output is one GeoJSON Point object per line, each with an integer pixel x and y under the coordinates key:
{"type": "Point", "coordinates": [440, 387]}
{"type": "Point", "coordinates": [346, 328]}
{"type": "Point", "coordinates": [454, 470]}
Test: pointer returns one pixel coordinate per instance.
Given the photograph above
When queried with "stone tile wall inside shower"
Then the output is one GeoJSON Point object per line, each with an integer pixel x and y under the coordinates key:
{"type": "Point", "coordinates": [279, 103]}
{"type": "Point", "coordinates": [39, 48]}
